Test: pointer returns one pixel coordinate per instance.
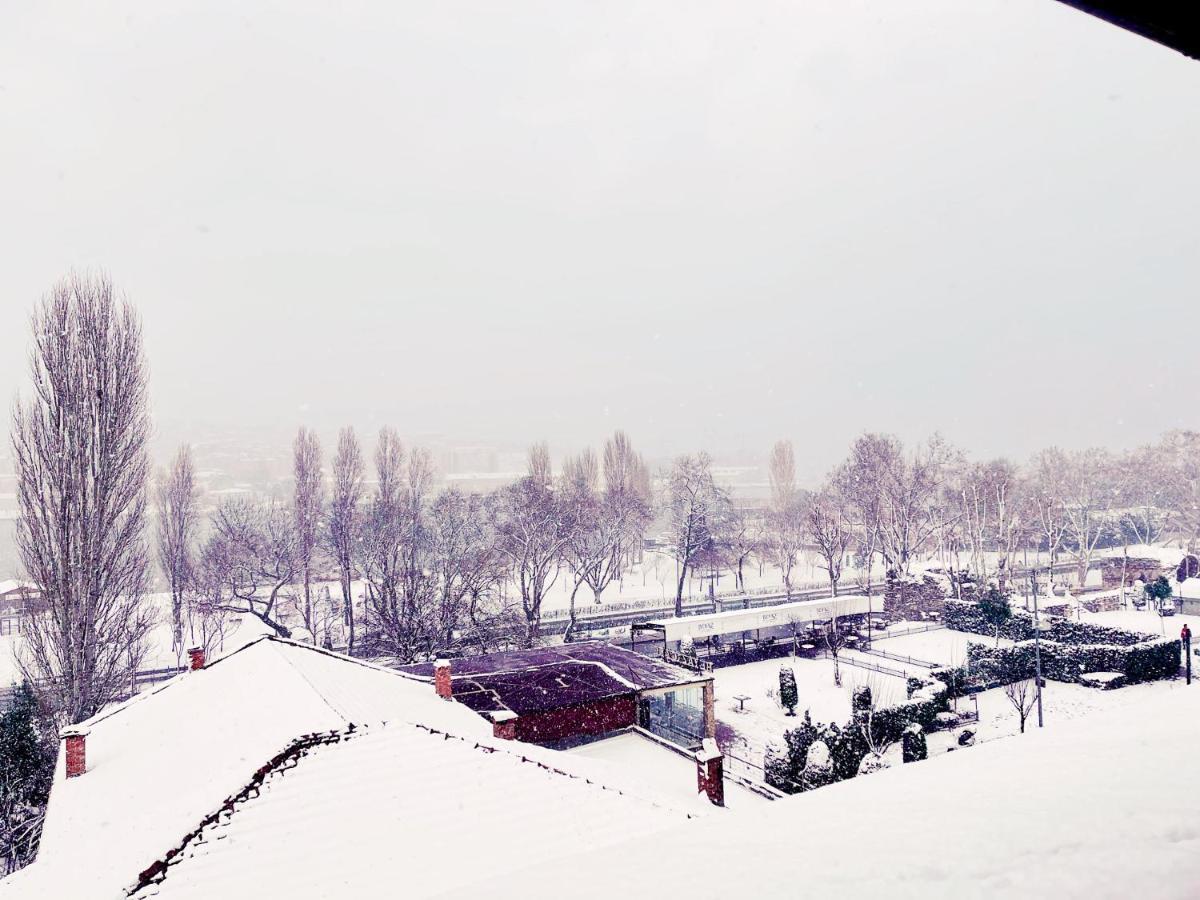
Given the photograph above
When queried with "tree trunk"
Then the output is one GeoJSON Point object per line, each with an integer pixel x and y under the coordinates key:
{"type": "Point", "coordinates": [348, 599]}
{"type": "Point", "coordinates": [679, 590]}
{"type": "Point", "coordinates": [569, 634]}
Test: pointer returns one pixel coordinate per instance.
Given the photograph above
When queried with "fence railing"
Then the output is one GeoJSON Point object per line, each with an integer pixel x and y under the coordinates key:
{"type": "Point", "coordinates": [863, 664]}
{"type": "Point", "coordinates": [907, 660]}
{"type": "Point", "coordinates": [916, 629]}
{"type": "Point", "coordinates": [143, 678]}
{"type": "Point", "coordinates": [687, 660]}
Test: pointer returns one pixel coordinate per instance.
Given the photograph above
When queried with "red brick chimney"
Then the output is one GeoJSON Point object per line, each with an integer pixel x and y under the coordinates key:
{"type": "Point", "coordinates": [441, 679]}
{"type": "Point", "coordinates": [710, 772]}
{"type": "Point", "coordinates": [504, 725]}
{"type": "Point", "coordinates": [197, 655]}
{"type": "Point", "coordinates": [76, 740]}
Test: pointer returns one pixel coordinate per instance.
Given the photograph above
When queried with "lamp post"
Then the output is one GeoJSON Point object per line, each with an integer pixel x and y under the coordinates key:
{"type": "Point", "coordinates": [1037, 645]}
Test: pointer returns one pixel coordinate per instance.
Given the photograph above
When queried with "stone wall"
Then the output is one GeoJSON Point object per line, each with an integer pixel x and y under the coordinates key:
{"type": "Point", "coordinates": [1135, 569]}
{"type": "Point", "coordinates": [913, 597]}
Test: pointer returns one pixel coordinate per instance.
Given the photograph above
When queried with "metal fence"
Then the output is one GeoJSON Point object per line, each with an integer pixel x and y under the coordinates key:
{"type": "Point", "coordinates": [863, 664]}
{"type": "Point", "coordinates": [896, 657]}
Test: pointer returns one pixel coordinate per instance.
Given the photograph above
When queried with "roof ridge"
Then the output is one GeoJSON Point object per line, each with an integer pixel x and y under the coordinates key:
{"type": "Point", "coordinates": [272, 638]}
{"type": "Point", "coordinates": [287, 758]}
{"type": "Point", "coordinates": [111, 711]}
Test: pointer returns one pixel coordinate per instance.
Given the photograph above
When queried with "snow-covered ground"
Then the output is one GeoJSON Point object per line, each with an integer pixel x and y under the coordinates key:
{"type": "Point", "coordinates": [745, 728]}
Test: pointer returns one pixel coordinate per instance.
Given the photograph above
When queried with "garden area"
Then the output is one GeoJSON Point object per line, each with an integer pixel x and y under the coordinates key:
{"type": "Point", "coordinates": [925, 689]}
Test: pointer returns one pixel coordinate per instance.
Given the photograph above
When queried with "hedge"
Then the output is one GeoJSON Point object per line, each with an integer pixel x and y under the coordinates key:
{"type": "Point", "coordinates": [1146, 661]}
{"type": "Point", "coordinates": [959, 615]}
{"type": "Point", "coordinates": [1069, 649]}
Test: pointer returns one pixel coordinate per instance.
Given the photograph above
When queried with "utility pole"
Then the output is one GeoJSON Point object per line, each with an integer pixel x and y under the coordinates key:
{"type": "Point", "coordinates": [1037, 644]}
{"type": "Point", "coordinates": [1186, 635]}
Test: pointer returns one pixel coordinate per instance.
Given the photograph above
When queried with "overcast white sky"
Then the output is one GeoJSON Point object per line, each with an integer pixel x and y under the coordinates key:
{"type": "Point", "coordinates": [712, 224]}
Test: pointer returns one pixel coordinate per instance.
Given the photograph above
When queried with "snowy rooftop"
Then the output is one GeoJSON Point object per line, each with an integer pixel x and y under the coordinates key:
{"type": "Point", "coordinates": [544, 678]}
{"type": "Point", "coordinates": [404, 811]}
{"type": "Point", "coordinates": [737, 620]}
{"type": "Point", "coordinates": [159, 762]}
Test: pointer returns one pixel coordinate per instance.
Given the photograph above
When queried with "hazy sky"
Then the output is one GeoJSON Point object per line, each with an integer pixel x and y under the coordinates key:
{"type": "Point", "coordinates": [712, 224]}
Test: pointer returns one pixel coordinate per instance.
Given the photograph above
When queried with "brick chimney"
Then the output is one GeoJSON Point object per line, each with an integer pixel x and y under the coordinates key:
{"type": "Point", "coordinates": [197, 655]}
{"type": "Point", "coordinates": [75, 737]}
{"type": "Point", "coordinates": [710, 774]}
{"type": "Point", "coordinates": [441, 679]}
{"type": "Point", "coordinates": [504, 725]}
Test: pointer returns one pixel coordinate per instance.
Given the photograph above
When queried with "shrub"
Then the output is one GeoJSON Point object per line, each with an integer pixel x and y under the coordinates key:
{"type": "Point", "coordinates": [913, 745]}
{"type": "Point", "coordinates": [1159, 589]}
{"type": "Point", "coordinates": [818, 767]}
{"type": "Point", "coordinates": [788, 695]}
{"type": "Point", "coordinates": [847, 747]}
{"type": "Point", "coordinates": [776, 768]}
{"type": "Point", "coordinates": [994, 606]}
{"type": "Point", "coordinates": [861, 701]}
{"type": "Point", "coordinates": [872, 762]}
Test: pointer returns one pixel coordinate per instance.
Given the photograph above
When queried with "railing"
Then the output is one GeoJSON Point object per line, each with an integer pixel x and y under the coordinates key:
{"type": "Point", "coordinates": [909, 660]}
{"type": "Point", "coordinates": [687, 660]}
{"type": "Point", "coordinates": [863, 664]}
{"type": "Point", "coordinates": [918, 629]}
{"type": "Point", "coordinates": [142, 678]}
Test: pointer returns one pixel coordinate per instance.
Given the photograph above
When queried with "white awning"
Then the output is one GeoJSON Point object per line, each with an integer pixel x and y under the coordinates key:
{"type": "Point", "coordinates": [739, 620]}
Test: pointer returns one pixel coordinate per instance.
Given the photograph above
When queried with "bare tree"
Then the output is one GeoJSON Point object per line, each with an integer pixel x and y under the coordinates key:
{"type": "Point", "coordinates": [397, 553]}
{"type": "Point", "coordinates": [1046, 505]}
{"type": "Point", "coordinates": [178, 519]}
{"type": "Point", "coordinates": [785, 519]}
{"type": "Point", "coordinates": [345, 519]}
{"type": "Point", "coordinates": [1079, 485]}
{"type": "Point", "coordinates": [308, 503]}
{"type": "Point", "coordinates": [988, 508]}
{"type": "Point", "coordinates": [467, 564]}
{"type": "Point", "coordinates": [828, 526]}
{"type": "Point", "coordinates": [911, 491]}
{"type": "Point", "coordinates": [604, 524]}
{"type": "Point", "coordinates": [692, 502]}
{"type": "Point", "coordinates": [1023, 697]}
{"type": "Point", "coordinates": [381, 547]}
{"type": "Point", "coordinates": [80, 450]}
{"type": "Point", "coordinates": [739, 537]}
{"type": "Point", "coordinates": [533, 527]}
{"type": "Point", "coordinates": [250, 559]}
{"type": "Point", "coordinates": [1181, 469]}
{"type": "Point", "coordinates": [627, 491]}
{"type": "Point", "coordinates": [540, 469]}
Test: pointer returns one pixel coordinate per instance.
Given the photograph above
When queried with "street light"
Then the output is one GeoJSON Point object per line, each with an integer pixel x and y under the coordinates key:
{"type": "Point", "coordinates": [1037, 645]}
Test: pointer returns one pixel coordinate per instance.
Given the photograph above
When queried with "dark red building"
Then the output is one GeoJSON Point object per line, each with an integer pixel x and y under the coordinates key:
{"type": "Point", "coordinates": [569, 694]}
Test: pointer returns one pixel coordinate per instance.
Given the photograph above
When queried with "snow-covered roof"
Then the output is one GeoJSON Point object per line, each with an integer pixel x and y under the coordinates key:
{"type": "Point", "coordinates": [406, 811]}
{"type": "Point", "coordinates": [159, 762]}
{"type": "Point", "coordinates": [737, 620]}
{"type": "Point", "coordinates": [544, 678]}
{"type": "Point", "coordinates": [1096, 807]}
